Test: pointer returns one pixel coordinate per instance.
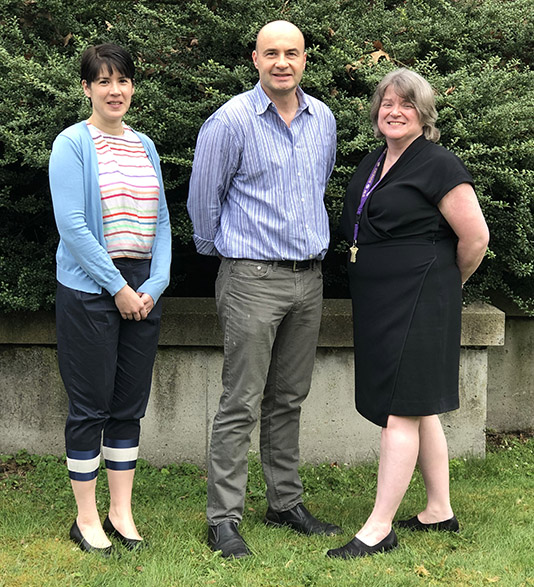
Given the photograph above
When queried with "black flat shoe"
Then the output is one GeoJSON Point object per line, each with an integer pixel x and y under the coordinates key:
{"type": "Point", "coordinates": [356, 547]}
{"type": "Point", "coordinates": [226, 538]}
{"type": "Point", "coordinates": [299, 519]}
{"type": "Point", "coordinates": [130, 543]}
{"type": "Point", "coordinates": [450, 525]}
{"type": "Point", "coordinates": [77, 537]}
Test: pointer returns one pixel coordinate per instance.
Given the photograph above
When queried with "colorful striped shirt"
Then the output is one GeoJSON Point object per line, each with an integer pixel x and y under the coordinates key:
{"type": "Point", "coordinates": [129, 191]}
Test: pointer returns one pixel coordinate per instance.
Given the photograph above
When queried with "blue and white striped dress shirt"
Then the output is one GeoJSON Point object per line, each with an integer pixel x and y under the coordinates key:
{"type": "Point", "coordinates": [257, 186]}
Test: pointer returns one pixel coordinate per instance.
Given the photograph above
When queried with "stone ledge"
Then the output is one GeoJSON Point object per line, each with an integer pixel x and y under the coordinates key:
{"type": "Point", "coordinates": [190, 322]}
{"type": "Point", "coordinates": [193, 322]}
{"type": "Point", "coordinates": [28, 328]}
{"type": "Point", "coordinates": [482, 326]}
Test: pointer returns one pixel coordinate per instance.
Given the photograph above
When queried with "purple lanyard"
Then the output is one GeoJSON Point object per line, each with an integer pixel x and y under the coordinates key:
{"type": "Point", "coordinates": [367, 191]}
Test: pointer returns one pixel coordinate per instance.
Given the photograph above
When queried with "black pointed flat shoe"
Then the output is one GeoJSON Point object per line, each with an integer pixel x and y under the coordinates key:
{"type": "Point", "coordinates": [450, 525]}
{"type": "Point", "coordinates": [129, 543]}
{"type": "Point", "coordinates": [77, 537]}
{"type": "Point", "coordinates": [356, 547]}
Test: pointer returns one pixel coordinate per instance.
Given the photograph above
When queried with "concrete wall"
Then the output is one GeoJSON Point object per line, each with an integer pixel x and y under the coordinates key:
{"type": "Point", "coordinates": [511, 375]}
{"type": "Point", "coordinates": [186, 387]}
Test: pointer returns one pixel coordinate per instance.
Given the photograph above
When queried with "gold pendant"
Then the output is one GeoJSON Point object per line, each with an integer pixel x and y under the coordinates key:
{"type": "Point", "coordinates": [353, 251]}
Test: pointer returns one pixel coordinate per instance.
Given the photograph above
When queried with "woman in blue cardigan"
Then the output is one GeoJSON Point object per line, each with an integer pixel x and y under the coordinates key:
{"type": "Point", "coordinates": [113, 264]}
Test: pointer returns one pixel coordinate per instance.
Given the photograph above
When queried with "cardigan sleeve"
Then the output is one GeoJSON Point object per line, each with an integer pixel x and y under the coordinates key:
{"type": "Point", "coordinates": [68, 188]}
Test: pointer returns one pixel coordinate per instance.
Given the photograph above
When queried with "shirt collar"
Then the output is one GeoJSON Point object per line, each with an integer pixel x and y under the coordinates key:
{"type": "Point", "coordinates": [262, 100]}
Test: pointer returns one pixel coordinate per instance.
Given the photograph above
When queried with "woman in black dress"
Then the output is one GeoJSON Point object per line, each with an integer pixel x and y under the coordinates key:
{"type": "Point", "coordinates": [418, 234]}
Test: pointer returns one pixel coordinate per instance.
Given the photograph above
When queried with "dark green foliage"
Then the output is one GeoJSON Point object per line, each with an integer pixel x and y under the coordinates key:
{"type": "Point", "coordinates": [194, 55]}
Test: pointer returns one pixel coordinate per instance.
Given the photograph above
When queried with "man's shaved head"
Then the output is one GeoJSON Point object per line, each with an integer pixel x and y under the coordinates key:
{"type": "Point", "coordinates": [279, 27]}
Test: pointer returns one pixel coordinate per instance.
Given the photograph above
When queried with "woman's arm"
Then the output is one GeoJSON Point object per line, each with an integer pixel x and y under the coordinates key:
{"type": "Point", "coordinates": [462, 211]}
{"type": "Point", "coordinates": [68, 189]}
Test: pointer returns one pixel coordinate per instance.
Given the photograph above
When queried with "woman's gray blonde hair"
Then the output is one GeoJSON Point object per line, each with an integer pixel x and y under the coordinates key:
{"type": "Point", "coordinates": [414, 88]}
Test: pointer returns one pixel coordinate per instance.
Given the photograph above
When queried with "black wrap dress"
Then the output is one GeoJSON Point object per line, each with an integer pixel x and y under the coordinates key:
{"type": "Point", "coordinates": [405, 285]}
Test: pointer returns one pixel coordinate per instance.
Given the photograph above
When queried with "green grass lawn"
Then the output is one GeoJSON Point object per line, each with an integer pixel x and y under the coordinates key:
{"type": "Point", "coordinates": [492, 498]}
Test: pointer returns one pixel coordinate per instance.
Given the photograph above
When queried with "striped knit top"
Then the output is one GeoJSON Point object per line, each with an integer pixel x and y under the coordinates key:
{"type": "Point", "coordinates": [129, 191]}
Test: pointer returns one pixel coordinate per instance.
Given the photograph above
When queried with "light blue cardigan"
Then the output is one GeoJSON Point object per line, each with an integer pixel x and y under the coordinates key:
{"type": "Point", "coordinates": [82, 260]}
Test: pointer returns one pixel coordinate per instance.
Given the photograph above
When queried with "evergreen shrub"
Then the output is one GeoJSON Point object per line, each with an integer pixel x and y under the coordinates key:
{"type": "Point", "coordinates": [194, 55]}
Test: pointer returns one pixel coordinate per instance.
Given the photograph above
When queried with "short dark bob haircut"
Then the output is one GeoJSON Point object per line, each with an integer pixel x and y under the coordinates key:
{"type": "Point", "coordinates": [108, 55]}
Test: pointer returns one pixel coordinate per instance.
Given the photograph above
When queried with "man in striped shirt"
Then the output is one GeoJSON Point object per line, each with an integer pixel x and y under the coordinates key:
{"type": "Point", "coordinates": [256, 199]}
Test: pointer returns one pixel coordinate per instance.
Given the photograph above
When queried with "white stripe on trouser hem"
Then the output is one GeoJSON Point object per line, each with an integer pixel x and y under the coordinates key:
{"type": "Point", "coordinates": [85, 466]}
{"type": "Point", "coordinates": [120, 455]}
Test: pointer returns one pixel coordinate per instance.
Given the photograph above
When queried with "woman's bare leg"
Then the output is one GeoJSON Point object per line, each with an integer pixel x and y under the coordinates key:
{"type": "Point", "coordinates": [120, 508]}
{"type": "Point", "coordinates": [88, 518]}
{"type": "Point", "coordinates": [399, 447]}
{"type": "Point", "coordinates": [434, 466]}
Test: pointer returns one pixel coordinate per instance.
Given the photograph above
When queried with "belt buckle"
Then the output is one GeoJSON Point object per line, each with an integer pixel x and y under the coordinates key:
{"type": "Point", "coordinates": [295, 267]}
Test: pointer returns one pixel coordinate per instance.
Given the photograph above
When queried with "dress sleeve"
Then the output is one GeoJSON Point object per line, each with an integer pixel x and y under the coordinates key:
{"type": "Point", "coordinates": [444, 172]}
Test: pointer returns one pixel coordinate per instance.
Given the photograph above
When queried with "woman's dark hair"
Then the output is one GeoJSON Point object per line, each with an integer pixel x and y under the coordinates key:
{"type": "Point", "coordinates": [109, 55]}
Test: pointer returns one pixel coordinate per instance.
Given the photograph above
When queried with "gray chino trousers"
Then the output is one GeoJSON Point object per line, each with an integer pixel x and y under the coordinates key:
{"type": "Point", "coordinates": [270, 316]}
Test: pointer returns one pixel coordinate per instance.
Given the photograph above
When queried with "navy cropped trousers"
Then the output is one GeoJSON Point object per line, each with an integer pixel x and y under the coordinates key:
{"type": "Point", "coordinates": [106, 365]}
